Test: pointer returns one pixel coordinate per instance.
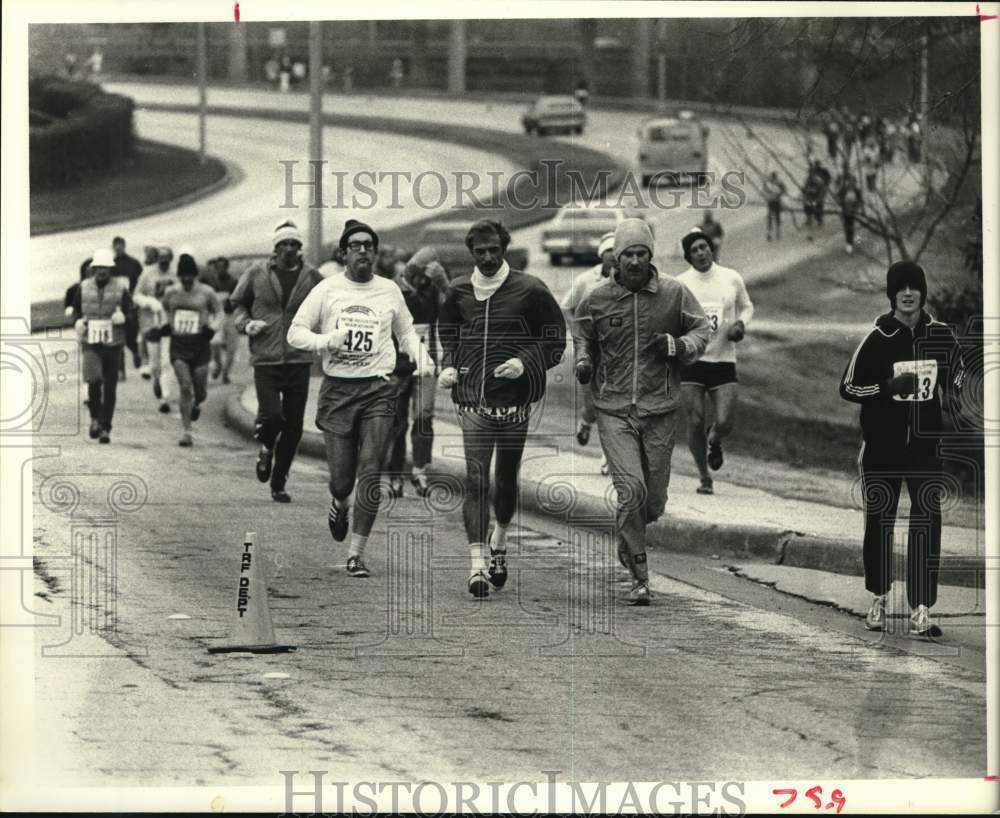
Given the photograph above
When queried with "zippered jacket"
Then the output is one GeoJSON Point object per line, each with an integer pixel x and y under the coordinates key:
{"type": "Point", "coordinates": [614, 330]}
{"type": "Point", "coordinates": [520, 320]}
{"type": "Point", "coordinates": [892, 422]}
{"type": "Point", "coordinates": [258, 296]}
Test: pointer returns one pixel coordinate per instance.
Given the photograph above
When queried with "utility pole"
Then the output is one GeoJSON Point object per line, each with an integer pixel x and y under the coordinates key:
{"type": "Point", "coordinates": [316, 137]}
{"type": "Point", "coordinates": [661, 62]}
{"type": "Point", "coordinates": [924, 49]}
{"type": "Point", "coordinates": [202, 69]}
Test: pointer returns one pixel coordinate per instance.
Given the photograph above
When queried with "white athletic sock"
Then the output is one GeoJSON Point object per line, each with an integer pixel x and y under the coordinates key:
{"type": "Point", "coordinates": [498, 542]}
{"type": "Point", "coordinates": [476, 555]}
{"type": "Point", "coordinates": [419, 470]}
{"type": "Point", "coordinates": [358, 544]}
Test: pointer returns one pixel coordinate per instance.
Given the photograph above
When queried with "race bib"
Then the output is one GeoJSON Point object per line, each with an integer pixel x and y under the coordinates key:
{"type": "Point", "coordinates": [186, 322]}
{"type": "Point", "coordinates": [926, 372]}
{"type": "Point", "coordinates": [713, 312]}
{"type": "Point", "coordinates": [362, 339]}
{"type": "Point", "coordinates": [100, 331]}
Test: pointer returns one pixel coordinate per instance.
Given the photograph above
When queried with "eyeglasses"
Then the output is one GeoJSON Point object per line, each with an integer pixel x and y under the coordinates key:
{"type": "Point", "coordinates": [358, 246]}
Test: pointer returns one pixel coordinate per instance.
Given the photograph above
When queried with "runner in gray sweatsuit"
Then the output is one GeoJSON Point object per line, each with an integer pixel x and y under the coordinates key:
{"type": "Point", "coordinates": [632, 337]}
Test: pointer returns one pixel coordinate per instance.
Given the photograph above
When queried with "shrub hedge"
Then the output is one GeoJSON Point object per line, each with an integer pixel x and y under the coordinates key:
{"type": "Point", "coordinates": [77, 130]}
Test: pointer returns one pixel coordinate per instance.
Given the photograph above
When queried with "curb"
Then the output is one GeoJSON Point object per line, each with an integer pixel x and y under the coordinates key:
{"type": "Point", "coordinates": [712, 540]}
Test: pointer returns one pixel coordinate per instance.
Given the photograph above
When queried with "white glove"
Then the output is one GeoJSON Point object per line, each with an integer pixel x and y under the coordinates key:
{"type": "Point", "coordinates": [254, 327]}
{"type": "Point", "coordinates": [512, 368]}
{"type": "Point", "coordinates": [118, 317]}
{"type": "Point", "coordinates": [333, 341]}
{"type": "Point", "coordinates": [81, 327]}
{"type": "Point", "coordinates": [448, 377]}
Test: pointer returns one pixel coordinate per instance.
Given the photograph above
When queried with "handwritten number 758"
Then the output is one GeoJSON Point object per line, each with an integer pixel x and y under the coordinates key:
{"type": "Point", "coordinates": [813, 794]}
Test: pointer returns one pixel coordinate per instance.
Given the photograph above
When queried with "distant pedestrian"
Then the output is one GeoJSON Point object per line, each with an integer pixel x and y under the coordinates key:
{"type": "Point", "coordinates": [266, 299]}
{"type": "Point", "coordinates": [774, 192]}
{"type": "Point", "coordinates": [501, 331]}
{"type": "Point", "coordinates": [832, 132]}
{"type": "Point", "coordinates": [99, 310]}
{"type": "Point", "coordinates": [913, 139]}
{"type": "Point", "coordinates": [899, 374]}
{"type": "Point", "coordinates": [850, 206]}
{"type": "Point", "coordinates": [396, 73]}
{"type": "Point", "coordinates": [713, 229]}
{"type": "Point", "coordinates": [870, 163]}
{"type": "Point", "coordinates": [632, 336]}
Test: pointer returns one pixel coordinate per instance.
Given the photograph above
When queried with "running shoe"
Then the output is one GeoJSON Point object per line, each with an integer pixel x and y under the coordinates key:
{"type": "Point", "coordinates": [920, 623]}
{"type": "Point", "coordinates": [356, 568]}
{"type": "Point", "coordinates": [225, 379]}
{"type": "Point", "coordinates": [337, 520]}
{"type": "Point", "coordinates": [479, 586]}
{"type": "Point", "coordinates": [280, 496]}
{"type": "Point", "coordinates": [639, 595]}
{"type": "Point", "coordinates": [420, 483]}
{"type": "Point", "coordinates": [395, 486]}
{"type": "Point", "coordinates": [196, 411]}
{"type": "Point", "coordinates": [875, 618]}
{"type": "Point", "coordinates": [105, 436]}
{"type": "Point", "coordinates": [146, 374]}
{"type": "Point", "coordinates": [136, 360]}
{"type": "Point", "coordinates": [265, 458]}
{"type": "Point", "coordinates": [706, 487]}
{"type": "Point", "coordinates": [216, 371]}
{"type": "Point", "coordinates": [185, 440]}
{"type": "Point", "coordinates": [164, 408]}
{"type": "Point", "coordinates": [715, 457]}
{"type": "Point", "coordinates": [583, 433]}
{"type": "Point", "coordinates": [95, 429]}
{"type": "Point", "coordinates": [498, 569]}
{"type": "Point", "coordinates": [605, 468]}
{"type": "Point", "coordinates": [157, 389]}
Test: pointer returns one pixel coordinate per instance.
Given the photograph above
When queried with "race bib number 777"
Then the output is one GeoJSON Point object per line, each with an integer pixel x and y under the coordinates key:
{"type": "Point", "coordinates": [926, 372]}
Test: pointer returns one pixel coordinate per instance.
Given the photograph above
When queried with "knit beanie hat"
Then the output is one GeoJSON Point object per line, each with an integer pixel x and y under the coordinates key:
{"type": "Point", "coordinates": [102, 258]}
{"type": "Point", "coordinates": [690, 238]}
{"type": "Point", "coordinates": [607, 243]}
{"type": "Point", "coordinates": [902, 273]}
{"type": "Point", "coordinates": [632, 232]}
{"type": "Point", "coordinates": [352, 226]}
{"type": "Point", "coordinates": [286, 231]}
{"type": "Point", "coordinates": [186, 266]}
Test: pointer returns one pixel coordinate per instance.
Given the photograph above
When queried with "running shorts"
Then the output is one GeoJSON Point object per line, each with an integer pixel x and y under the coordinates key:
{"type": "Point", "coordinates": [709, 375]}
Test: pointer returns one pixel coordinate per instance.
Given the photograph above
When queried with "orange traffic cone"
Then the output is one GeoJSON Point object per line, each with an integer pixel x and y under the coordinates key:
{"type": "Point", "coordinates": [254, 631]}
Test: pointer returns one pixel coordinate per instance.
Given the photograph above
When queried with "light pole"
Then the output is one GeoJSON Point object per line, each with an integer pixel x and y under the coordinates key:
{"type": "Point", "coordinates": [316, 136]}
{"type": "Point", "coordinates": [202, 60]}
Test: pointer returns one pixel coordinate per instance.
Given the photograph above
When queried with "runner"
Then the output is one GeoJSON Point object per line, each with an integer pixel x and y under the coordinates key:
{"type": "Point", "coordinates": [153, 283]}
{"type": "Point", "coordinates": [423, 299]}
{"type": "Point", "coordinates": [266, 299]}
{"type": "Point", "coordinates": [899, 374]}
{"type": "Point", "coordinates": [850, 205]}
{"type": "Point", "coordinates": [225, 353]}
{"type": "Point", "coordinates": [774, 191]}
{"type": "Point", "coordinates": [708, 386]}
{"type": "Point", "coordinates": [582, 285]}
{"type": "Point", "coordinates": [634, 333]}
{"type": "Point", "coordinates": [131, 269]}
{"type": "Point", "coordinates": [193, 315]}
{"type": "Point", "coordinates": [151, 255]}
{"type": "Point", "coordinates": [713, 229]}
{"type": "Point", "coordinates": [350, 320]}
{"type": "Point", "coordinates": [99, 309]}
{"type": "Point", "coordinates": [500, 330]}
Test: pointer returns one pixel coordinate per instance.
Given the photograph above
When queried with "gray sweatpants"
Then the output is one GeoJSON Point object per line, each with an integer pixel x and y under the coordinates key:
{"type": "Point", "coordinates": [638, 452]}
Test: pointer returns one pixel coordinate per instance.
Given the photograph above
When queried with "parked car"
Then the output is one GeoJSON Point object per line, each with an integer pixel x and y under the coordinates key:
{"type": "Point", "coordinates": [576, 231]}
{"type": "Point", "coordinates": [448, 239]}
{"type": "Point", "coordinates": [672, 148]}
{"type": "Point", "coordinates": [551, 114]}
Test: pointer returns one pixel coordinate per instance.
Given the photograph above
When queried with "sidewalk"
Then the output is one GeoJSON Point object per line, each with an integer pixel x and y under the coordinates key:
{"type": "Point", "coordinates": [564, 481]}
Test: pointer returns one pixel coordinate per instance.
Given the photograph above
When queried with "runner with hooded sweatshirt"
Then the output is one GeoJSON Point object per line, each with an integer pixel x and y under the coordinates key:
{"type": "Point", "coordinates": [501, 331]}
{"type": "Point", "coordinates": [898, 374]}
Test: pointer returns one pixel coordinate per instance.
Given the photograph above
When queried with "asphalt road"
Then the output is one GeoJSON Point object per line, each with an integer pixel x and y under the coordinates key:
{"type": "Point", "coordinates": [404, 676]}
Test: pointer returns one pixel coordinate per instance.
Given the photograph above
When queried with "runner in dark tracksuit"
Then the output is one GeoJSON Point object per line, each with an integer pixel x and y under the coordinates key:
{"type": "Point", "coordinates": [898, 374]}
{"type": "Point", "coordinates": [500, 330]}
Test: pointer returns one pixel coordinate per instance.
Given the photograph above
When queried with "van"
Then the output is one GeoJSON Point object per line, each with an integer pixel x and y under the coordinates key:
{"type": "Point", "coordinates": [672, 148]}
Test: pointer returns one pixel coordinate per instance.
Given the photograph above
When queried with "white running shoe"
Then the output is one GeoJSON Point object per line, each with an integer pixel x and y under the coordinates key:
{"type": "Point", "coordinates": [875, 618]}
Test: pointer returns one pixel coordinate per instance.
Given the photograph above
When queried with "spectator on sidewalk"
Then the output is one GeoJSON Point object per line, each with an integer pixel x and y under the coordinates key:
{"type": "Point", "coordinates": [501, 331]}
{"type": "Point", "coordinates": [709, 384]}
{"type": "Point", "coordinates": [582, 285]}
{"type": "Point", "coordinates": [632, 336]}
{"type": "Point", "coordinates": [900, 374]}
{"type": "Point", "coordinates": [266, 299]}
{"type": "Point", "coordinates": [98, 311]}
{"type": "Point", "coordinates": [774, 191]}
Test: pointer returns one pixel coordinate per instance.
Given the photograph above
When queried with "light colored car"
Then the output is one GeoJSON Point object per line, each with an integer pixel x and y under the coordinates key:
{"type": "Point", "coordinates": [672, 148]}
{"type": "Point", "coordinates": [576, 231]}
{"type": "Point", "coordinates": [551, 114]}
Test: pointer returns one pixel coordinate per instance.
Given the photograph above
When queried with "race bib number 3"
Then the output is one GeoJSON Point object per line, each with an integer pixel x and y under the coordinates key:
{"type": "Point", "coordinates": [186, 322]}
{"type": "Point", "coordinates": [99, 331]}
{"type": "Point", "coordinates": [713, 312]}
{"type": "Point", "coordinates": [926, 372]}
{"type": "Point", "coordinates": [362, 335]}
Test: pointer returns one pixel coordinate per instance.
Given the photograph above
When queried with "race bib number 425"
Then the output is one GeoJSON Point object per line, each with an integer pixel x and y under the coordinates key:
{"type": "Point", "coordinates": [362, 334]}
{"type": "Point", "coordinates": [926, 372]}
{"type": "Point", "coordinates": [186, 322]}
{"type": "Point", "coordinates": [99, 331]}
